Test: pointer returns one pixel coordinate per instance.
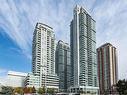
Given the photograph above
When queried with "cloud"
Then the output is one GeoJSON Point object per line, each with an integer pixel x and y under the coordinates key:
{"type": "Point", "coordinates": [111, 24]}
{"type": "Point", "coordinates": [3, 72]}
{"type": "Point", "coordinates": [15, 24]}
{"type": "Point", "coordinates": [19, 17]}
{"type": "Point", "coordinates": [18, 20]}
{"type": "Point", "coordinates": [3, 76]}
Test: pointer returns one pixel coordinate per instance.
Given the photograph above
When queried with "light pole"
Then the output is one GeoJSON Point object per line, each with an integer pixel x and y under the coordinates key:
{"type": "Point", "coordinates": [44, 66]}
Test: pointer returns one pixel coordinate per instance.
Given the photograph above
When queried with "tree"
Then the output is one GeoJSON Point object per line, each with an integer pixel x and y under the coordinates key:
{"type": "Point", "coordinates": [33, 90]}
{"type": "Point", "coordinates": [7, 90]}
{"type": "Point", "coordinates": [30, 89]}
{"type": "Point", "coordinates": [41, 90]}
{"type": "Point", "coordinates": [50, 90]}
{"type": "Point", "coordinates": [18, 90]}
{"type": "Point", "coordinates": [26, 90]}
{"type": "Point", "coordinates": [121, 87]}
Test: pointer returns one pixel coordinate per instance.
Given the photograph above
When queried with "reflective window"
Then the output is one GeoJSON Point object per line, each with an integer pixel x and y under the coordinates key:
{"type": "Point", "coordinates": [93, 24]}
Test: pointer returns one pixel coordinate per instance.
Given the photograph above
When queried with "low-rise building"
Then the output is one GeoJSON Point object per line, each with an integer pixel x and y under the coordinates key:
{"type": "Point", "coordinates": [15, 79]}
{"type": "Point", "coordinates": [32, 80]}
{"type": "Point", "coordinates": [50, 81]}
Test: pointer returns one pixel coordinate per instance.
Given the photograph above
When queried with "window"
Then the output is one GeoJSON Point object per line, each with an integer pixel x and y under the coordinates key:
{"type": "Point", "coordinates": [93, 24]}
{"type": "Point", "coordinates": [93, 35]}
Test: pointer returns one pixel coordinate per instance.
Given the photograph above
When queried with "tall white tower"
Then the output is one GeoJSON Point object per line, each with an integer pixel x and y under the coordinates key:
{"type": "Point", "coordinates": [83, 52]}
{"type": "Point", "coordinates": [43, 52]}
{"type": "Point", "coordinates": [43, 55]}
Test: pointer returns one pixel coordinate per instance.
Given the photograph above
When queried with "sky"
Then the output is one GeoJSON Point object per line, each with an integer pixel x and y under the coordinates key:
{"type": "Point", "coordinates": [19, 17]}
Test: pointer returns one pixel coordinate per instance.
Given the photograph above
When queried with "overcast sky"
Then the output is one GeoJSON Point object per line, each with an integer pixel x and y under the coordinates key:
{"type": "Point", "coordinates": [19, 17]}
